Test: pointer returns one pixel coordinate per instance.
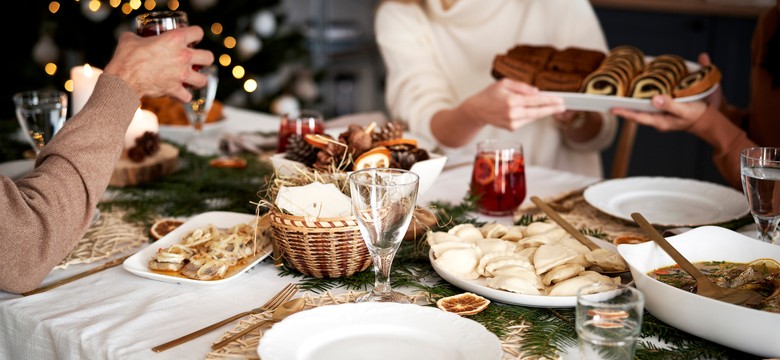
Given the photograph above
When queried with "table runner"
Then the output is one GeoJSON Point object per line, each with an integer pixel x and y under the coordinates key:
{"type": "Point", "coordinates": [111, 235]}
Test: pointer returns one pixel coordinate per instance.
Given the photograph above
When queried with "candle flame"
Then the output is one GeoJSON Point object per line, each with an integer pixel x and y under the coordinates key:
{"type": "Point", "coordinates": [88, 72]}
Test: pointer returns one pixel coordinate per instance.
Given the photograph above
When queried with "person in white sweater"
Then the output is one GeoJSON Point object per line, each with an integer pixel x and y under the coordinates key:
{"type": "Point", "coordinates": [439, 53]}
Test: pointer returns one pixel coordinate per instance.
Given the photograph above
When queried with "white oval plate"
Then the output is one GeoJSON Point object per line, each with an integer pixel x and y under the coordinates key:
{"type": "Point", "coordinates": [749, 330]}
{"type": "Point", "coordinates": [602, 103]}
{"type": "Point", "coordinates": [378, 331]}
{"type": "Point", "coordinates": [479, 286]}
{"type": "Point", "coordinates": [137, 264]}
{"type": "Point", "coordinates": [665, 201]}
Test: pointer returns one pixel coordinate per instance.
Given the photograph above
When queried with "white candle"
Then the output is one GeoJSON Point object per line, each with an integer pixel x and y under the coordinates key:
{"type": "Point", "coordinates": [84, 79]}
{"type": "Point", "coordinates": [143, 121]}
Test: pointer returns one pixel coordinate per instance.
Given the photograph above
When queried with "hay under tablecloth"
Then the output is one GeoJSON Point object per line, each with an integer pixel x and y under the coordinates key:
{"type": "Point", "coordinates": [111, 235]}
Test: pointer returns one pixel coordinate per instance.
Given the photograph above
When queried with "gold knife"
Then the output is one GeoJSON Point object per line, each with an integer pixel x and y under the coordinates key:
{"type": "Point", "coordinates": [59, 283]}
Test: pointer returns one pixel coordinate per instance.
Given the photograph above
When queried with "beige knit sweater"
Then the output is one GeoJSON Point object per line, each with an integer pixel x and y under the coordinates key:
{"type": "Point", "coordinates": [43, 215]}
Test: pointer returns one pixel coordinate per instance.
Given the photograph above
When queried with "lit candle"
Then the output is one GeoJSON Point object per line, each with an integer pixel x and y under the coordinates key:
{"type": "Point", "coordinates": [143, 121]}
{"type": "Point", "coordinates": [84, 79]}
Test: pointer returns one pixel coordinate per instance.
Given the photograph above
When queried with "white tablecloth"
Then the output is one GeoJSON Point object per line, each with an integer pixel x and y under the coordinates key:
{"type": "Point", "coordinates": [117, 315]}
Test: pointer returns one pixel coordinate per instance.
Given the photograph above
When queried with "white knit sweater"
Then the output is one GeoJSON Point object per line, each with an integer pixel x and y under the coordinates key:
{"type": "Point", "coordinates": [437, 58]}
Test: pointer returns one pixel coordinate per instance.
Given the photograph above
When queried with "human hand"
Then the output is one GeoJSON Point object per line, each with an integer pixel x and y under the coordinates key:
{"type": "Point", "coordinates": [675, 116]}
{"type": "Point", "coordinates": [509, 104]}
{"type": "Point", "coordinates": [161, 65]}
{"type": "Point", "coordinates": [716, 98]}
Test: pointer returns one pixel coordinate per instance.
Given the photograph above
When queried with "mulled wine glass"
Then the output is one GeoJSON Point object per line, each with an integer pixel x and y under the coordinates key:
{"type": "Point", "coordinates": [383, 201]}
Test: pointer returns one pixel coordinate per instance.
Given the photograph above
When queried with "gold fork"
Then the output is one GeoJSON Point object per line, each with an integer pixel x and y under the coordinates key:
{"type": "Point", "coordinates": [281, 297]}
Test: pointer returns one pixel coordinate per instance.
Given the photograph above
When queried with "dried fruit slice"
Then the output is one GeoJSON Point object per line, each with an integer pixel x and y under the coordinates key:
{"type": "Point", "coordinates": [378, 157]}
{"type": "Point", "coordinates": [484, 170]}
{"type": "Point", "coordinates": [400, 141]}
{"type": "Point", "coordinates": [463, 304]}
{"type": "Point", "coordinates": [317, 140]}
{"type": "Point", "coordinates": [163, 226]}
{"type": "Point", "coordinates": [228, 162]}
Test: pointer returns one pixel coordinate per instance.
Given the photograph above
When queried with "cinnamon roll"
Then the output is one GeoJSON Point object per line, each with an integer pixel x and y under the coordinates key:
{"type": "Point", "coordinates": [698, 81]}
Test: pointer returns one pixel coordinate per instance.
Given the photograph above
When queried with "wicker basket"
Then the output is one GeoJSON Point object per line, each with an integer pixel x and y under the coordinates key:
{"type": "Point", "coordinates": [324, 248]}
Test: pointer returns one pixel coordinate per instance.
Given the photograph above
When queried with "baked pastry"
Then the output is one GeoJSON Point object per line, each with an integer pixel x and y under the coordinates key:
{"type": "Point", "coordinates": [558, 81]}
{"type": "Point", "coordinates": [697, 81]}
{"type": "Point", "coordinates": [651, 83]}
{"type": "Point", "coordinates": [506, 66]}
{"type": "Point", "coordinates": [673, 63]}
{"type": "Point", "coordinates": [633, 54]}
{"type": "Point", "coordinates": [604, 81]}
{"type": "Point", "coordinates": [536, 55]}
{"type": "Point", "coordinates": [575, 60]}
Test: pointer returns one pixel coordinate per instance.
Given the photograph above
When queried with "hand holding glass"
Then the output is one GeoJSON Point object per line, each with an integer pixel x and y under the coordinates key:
{"type": "Point", "coordinates": [608, 320]}
{"type": "Point", "coordinates": [383, 201]}
{"type": "Point", "coordinates": [760, 167]}
{"type": "Point", "coordinates": [157, 22]}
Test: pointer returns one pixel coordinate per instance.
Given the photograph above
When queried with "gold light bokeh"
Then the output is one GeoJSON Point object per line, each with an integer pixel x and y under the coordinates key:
{"type": "Point", "coordinates": [54, 7]}
{"type": "Point", "coordinates": [216, 28]}
{"type": "Point", "coordinates": [250, 85]}
{"type": "Point", "coordinates": [238, 72]}
{"type": "Point", "coordinates": [69, 85]}
{"type": "Point", "coordinates": [225, 60]}
{"type": "Point", "coordinates": [94, 5]}
{"type": "Point", "coordinates": [50, 68]}
{"type": "Point", "coordinates": [150, 4]}
{"type": "Point", "coordinates": [230, 42]}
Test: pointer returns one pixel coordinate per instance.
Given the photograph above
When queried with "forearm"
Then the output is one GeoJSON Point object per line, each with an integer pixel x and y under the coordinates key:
{"type": "Point", "coordinates": [726, 139]}
{"type": "Point", "coordinates": [456, 127]}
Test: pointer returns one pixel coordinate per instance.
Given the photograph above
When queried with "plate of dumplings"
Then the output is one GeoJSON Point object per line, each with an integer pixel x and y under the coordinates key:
{"type": "Point", "coordinates": [538, 265]}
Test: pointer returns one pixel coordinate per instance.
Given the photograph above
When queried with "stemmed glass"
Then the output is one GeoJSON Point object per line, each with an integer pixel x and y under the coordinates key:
{"type": "Point", "coordinates": [383, 201]}
{"type": "Point", "coordinates": [198, 108]}
{"type": "Point", "coordinates": [157, 22]}
{"type": "Point", "coordinates": [760, 168]}
{"type": "Point", "coordinates": [41, 114]}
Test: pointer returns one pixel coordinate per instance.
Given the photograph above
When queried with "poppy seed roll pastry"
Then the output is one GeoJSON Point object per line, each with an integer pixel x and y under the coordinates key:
{"type": "Point", "coordinates": [698, 81]}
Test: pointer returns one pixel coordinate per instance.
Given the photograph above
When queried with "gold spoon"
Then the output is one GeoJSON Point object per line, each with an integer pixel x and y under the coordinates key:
{"type": "Point", "coordinates": [283, 311]}
{"type": "Point", "coordinates": [575, 233]}
{"type": "Point", "coordinates": [704, 286]}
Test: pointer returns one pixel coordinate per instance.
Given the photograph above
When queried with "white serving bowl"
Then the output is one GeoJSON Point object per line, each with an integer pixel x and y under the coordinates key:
{"type": "Point", "coordinates": [749, 330]}
{"type": "Point", "coordinates": [428, 170]}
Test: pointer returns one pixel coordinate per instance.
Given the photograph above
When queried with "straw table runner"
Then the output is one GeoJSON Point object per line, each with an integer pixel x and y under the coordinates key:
{"type": "Point", "coordinates": [246, 347]}
{"type": "Point", "coordinates": [109, 236]}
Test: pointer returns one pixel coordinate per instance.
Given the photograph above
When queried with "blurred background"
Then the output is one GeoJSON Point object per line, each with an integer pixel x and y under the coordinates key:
{"type": "Point", "coordinates": [320, 54]}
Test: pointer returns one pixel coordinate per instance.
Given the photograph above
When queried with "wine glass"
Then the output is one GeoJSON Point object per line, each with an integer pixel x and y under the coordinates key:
{"type": "Point", "coordinates": [383, 201]}
{"type": "Point", "coordinates": [198, 108]}
{"type": "Point", "coordinates": [157, 22]}
{"type": "Point", "coordinates": [760, 168]}
{"type": "Point", "coordinates": [41, 114]}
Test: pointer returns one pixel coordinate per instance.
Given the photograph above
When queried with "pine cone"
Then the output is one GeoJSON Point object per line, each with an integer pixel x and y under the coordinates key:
{"type": "Point", "coordinates": [146, 145]}
{"type": "Point", "coordinates": [300, 150]}
{"type": "Point", "coordinates": [406, 158]}
{"type": "Point", "coordinates": [392, 130]}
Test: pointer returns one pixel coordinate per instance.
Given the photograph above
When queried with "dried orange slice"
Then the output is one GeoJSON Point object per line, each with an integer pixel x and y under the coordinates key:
{"type": "Point", "coordinates": [395, 142]}
{"type": "Point", "coordinates": [317, 140]}
{"type": "Point", "coordinates": [463, 304]}
{"type": "Point", "coordinates": [484, 170]}
{"type": "Point", "coordinates": [228, 162]}
{"type": "Point", "coordinates": [162, 227]}
{"type": "Point", "coordinates": [378, 157]}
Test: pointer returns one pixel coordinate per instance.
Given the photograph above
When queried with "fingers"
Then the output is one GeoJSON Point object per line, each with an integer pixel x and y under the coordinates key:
{"type": "Point", "coordinates": [704, 59]}
{"type": "Point", "coordinates": [518, 87]}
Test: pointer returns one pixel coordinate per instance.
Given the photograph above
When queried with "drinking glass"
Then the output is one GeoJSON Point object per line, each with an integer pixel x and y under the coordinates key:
{"type": "Point", "coordinates": [383, 200]}
{"type": "Point", "coordinates": [760, 168]}
{"type": "Point", "coordinates": [198, 108]}
{"type": "Point", "coordinates": [41, 113]}
{"type": "Point", "coordinates": [299, 124]}
{"type": "Point", "coordinates": [608, 320]}
{"type": "Point", "coordinates": [498, 177]}
{"type": "Point", "coordinates": [157, 22]}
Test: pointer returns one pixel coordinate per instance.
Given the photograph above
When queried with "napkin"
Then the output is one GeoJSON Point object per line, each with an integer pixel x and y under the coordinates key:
{"type": "Point", "coordinates": [315, 200]}
{"type": "Point", "coordinates": [247, 142]}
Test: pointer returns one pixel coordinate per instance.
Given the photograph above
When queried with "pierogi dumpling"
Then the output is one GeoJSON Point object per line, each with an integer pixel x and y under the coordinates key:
{"type": "Point", "coordinates": [527, 252]}
{"type": "Point", "coordinates": [514, 233]}
{"type": "Point", "coordinates": [438, 237]}
{"type": "Point", "coordinates": [520, 272]}
{"type": "Point", "coordinates": [466, 232]}
{"type": "Point", "coordinates": [549, 256]}
{"type": "Point", "coordinates": [502, 261]}
{"type": "Point", "coordinates": [561, 272]}
{"type": "Point", "coordinates": [440, 249]}
{"type": "Point", "coordinates": [536, 228]}
{"type": "Point", "coordinates": [491, 245]}
{"type": "Point", "coordinates": [596, 277]}
{"type": "Point", "coordinates": [570, 242]}
{"type": "Point", "coordinates": [460, 262]}
{"type": "Point", "coordinates": [606, 259]}
{"type": "Point", "coordinates": [493, 230]}
{"type": "Point", "coordinates": [513, 284]}
{"type": "Point", "coordinates": [569, 287]}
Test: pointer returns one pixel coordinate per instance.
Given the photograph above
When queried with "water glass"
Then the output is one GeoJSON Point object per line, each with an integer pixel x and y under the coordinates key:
{"type": "Point", "coordinates": [498, 177]}
{"type": "Point", "coordinates": [299, 124]}
{"type": "Point", "coordinates": [41, 114]}
{"type": "Point", "coordinates": [157, 22]}
{"type": "Point", "coordinates": [760, 168]}
{"type": "Point", "coordinates": [608, 320]}
{"type": "Point", "coordinates": [383, 201]}
{"type": "Point", "coordinates": [198, 109]}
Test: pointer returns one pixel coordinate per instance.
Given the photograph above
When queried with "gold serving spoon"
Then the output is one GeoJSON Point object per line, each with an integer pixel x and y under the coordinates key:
{"type": "Point", "coordinates": [575, 233]}
{"type": "Point", "coordinates": [279, 314]}
{"type": "Point", "coordinates": [704, 286]}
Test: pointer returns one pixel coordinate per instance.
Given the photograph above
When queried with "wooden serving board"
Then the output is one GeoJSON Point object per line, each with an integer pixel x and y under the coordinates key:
{"type": "Point", "coordinates": [129, 173]}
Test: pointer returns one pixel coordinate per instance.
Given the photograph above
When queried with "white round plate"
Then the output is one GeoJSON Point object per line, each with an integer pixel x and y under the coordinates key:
{"type": "Point", "coordinates": [602, 103]}
{"type": "Point", "coordinates": [378, 331]}
{"type": "Point", "coordinates": [667, 201]}
{"type": "Point", "coordinates": [17, 168]}
{"type": "Point", "coordinates": [479, 286]}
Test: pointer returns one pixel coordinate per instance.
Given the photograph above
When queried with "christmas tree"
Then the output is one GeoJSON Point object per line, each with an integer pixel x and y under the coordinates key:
{"type": "Point", "coordinates": [250, 39]}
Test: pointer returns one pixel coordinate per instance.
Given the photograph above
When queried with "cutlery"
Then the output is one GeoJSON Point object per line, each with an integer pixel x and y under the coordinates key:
{"type": "Point", "coordinates": [282, 296]}
{"type": "Point", "coordinates": [704, 286]}
{"type": "Point", "coordinates": [572, 231]}
{"type": "Point", "coordinates": [59, 283]}
{"type": "Point", "coordinates": [279, 314]}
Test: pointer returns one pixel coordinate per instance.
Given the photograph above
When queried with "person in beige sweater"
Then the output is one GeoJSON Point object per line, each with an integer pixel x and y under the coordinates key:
{"type": "Point", "coordinates": [45, 213]}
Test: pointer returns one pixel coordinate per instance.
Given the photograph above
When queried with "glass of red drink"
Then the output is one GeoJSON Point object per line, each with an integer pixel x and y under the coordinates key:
{"type": "Point", "coordinates": [498, 177]}
{"type": "Point", "coordinates": [157, 22]}
{"type": "Point", "coordinates": [299, 124]}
